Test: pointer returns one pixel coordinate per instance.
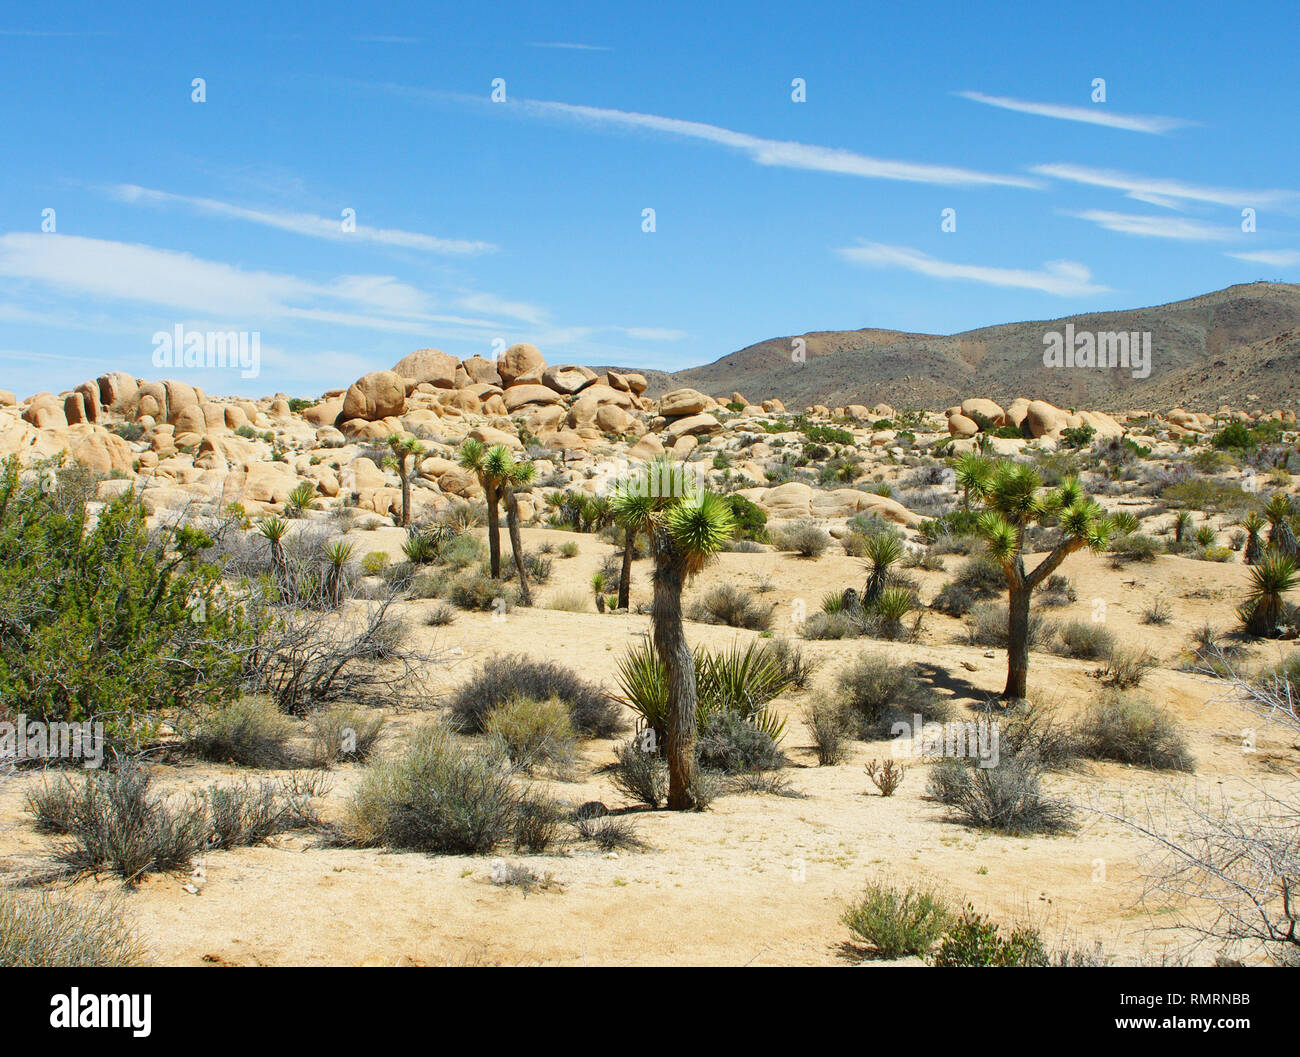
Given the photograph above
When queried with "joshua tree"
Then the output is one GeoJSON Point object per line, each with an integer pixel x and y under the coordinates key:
{"type": "Point", "coordinates": [882, 551]}
{"type": "Point", "coordinates": [1016, 500]}
{"type": "Point", "coordinates": [1281, 537]}
{"type": "Point", "coordinates": [337, 556]}
{"type": "Point", "coordinates": [1254, 524]}
{"type": "Point", "coordinates": [1182, 522]}
{"type": "Point", "coordinates": [1265, 608]}
{"type": "Point", "coordinates": [598, 589]}
{"type": "Point", "coordinates": [517, 475]}
{"type": "Point", "coordinates": [488, 465]}
{"type": "Point", "coordinates": [973, 475]}
{"type": "Point", "coordinates": [405, 457]}
{"type": "Point", "coordinates": [687, 528]}
{"type": "Point", "coordinates": [634, 512]}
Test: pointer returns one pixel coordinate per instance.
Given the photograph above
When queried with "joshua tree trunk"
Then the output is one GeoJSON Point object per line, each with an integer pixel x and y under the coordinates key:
{"type": "Point", "coordinates": [675, 655]}
{"type": "Point", "coordinates": [625, 577]}
{"type": "Point", "coordinates": [517, 544]}
{"type": "Point", "coordinates": [494, 531]}
{"type": "Point", "coordinates": [405, 475]}
{"type": "Point", "coordinates": [1017, 642]}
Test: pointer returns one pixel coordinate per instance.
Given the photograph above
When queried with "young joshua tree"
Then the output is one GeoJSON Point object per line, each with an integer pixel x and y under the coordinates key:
{"type": "Point", "coordinates": [1281, 537]}
{"type": "Point", "coordinates": [405, 455]}
{"type": "Point", "coordinates": [1254, 524]}
{"type": "Point", "coordinates": [687, 527]}
{"type": "Point", "coordinates": [1015, 500]}
{"type": "Point", "coordinates": [634, 513]}
{"type": "Point", "coordinates": [474, 457]}
{"type": "Point", "coordinates": [517, 475]}
{"type": "Point", "coordinates": [973, 475]}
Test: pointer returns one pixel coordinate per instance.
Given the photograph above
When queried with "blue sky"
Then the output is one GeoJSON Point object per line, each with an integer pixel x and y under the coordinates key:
{"type": "Point", "coordinates": [482, 223]}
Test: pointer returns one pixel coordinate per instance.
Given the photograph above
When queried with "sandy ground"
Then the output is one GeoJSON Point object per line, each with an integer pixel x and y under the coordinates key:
{"type": "Point", "coordinates": [756, 880]}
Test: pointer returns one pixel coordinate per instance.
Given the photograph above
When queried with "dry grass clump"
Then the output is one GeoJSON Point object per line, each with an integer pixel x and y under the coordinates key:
{"type": "Point", "coordinates": [43, 932]}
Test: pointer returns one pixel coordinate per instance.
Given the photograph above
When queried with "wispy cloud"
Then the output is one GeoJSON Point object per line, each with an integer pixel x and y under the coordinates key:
{"type": "Point", "coordinates": [301, 223]}
{"type": "Point", "coordinates": [1133, 185]}
{"type": "Point", "coordinates": [1158, 227]}
{"type": "Point", "coordinates": [81, 267]}
{"type": "Point", "coordinates": [1062, 278]}
{"type": "Point", "coordinates": [565, 45]}
{"type": "Point", "coordinates": [1276, 258]}
{"type": "Point", "coordinates": [780, 153]}
{"type": "Point", "coordinates": [1154, 124]}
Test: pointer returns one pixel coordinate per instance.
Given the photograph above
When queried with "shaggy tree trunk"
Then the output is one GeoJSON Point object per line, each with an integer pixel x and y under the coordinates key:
{"type": "Point", "coordinates": [517, 545]}
{"type": "Point", "coordinates": [405, 475]}
{"type": "Point", "coordinates": [494, 531]}
{"type": "Point", "coordinates": [679, 665]}
{"type": "Point", "coordinates": [1017, 642]}
{"type": "Point", "coordinates": [625, 577]}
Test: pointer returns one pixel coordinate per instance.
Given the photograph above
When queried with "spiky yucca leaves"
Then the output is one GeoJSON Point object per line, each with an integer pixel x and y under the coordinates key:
{"type": "Point", "coordinates": [1281, 536]}
{"type": "Point", "coordinates": [687, 528]}
{"type": "Point", "coordinates": [1016, 500]}
{"type": "Point", "coordinates": [405, 455]}
{"type": "Point", "coordinates": [1264, 610]}
{"type": "Point", "coordinates": [273, 530]}
{"type": "Point", "coordinates": [1182, 522]}
{"type": "Point", "coordinates": [973, 476]}
{"type": "Point", "coordinates": [493, 467]}
{"type": "Point", "coordinates": [883, 551]}
{"type": "Point", "coordinates": [301, 499]}
{"type": "Point", "coordinates": [1125, 523]}
{"type": "Point", "coordinates": [337, 556]}
{"type": "Point", "coordinates": [1254, 524]}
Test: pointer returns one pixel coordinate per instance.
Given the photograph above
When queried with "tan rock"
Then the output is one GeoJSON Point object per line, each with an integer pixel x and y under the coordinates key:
{"type": "Point", "coordinates": [103, 452]}
{"type": "Point", "coordinates": [647, 448]}
{"type": "Point", "coordinates": [693, 425]}
{"type": "Point", "coordinates": [519, 359]}
{"type": "Point", "coordinates": [518, 396]}
{"type": "Point", "coordinates": [116, 389]}
{"type": "Point", "coordinates": [428, 365]}
{"type": "Point", "coordinates": [374, 396]}
{"type": "Point", "coordinates": [961, 426]}
{"type": "Point", "coordinates": [1044, 419]}
{"type": "Point", "coordinates": [977, 408]}
{"type": "Point", "coordinates": [491, 437]}
{"type": "Point", "coordinates": [481, 370]}
{"type": "Point", "coordinates": [681, 402]}
{"type": "Point", "coordinates": [567, 378]}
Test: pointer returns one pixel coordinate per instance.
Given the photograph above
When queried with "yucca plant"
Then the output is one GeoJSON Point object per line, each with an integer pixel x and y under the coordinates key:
{"type": "Point", "coordinates": [1016, 500]}
{"type": "Point", "coordinates": [1182, 522]}
{"type": "Point", "coordinates": [882, 551]}
{"type": "Point", "coordinates": [1253, 523]}
{"type": "Point", "coordinates": [1264, 610]}
{"type": "Point", "coordinates": [1281, 535]}
{"type": "Point", "coordinates": [301, 499]}
{"type": "Point", "coordinates": [598, 589]}
{"type": "Point", "coordinates": [337, 556]}
{"type": "Point", "coordinates": [1125, 522]}
{"type": "Point", "coordinates": [1205, 536]}
{"type": "Point", "coordinates": [891, 606]}
{"type": "Point", "coordinates": [273, 530]}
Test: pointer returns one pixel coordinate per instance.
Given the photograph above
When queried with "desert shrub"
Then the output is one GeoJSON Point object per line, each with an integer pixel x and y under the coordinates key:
{"type": "Point", "coordinates": [571, 601]}
{"type": "Point", "coordinates": [508, 676]}
{"type": "Point", "coordinates": [750, 520]}
{"type": "Point", "coordinates": [243, 814]}
{"type": "Point", "coordinates": [532, 733]}
{"type": "Point", "coordinates": [975, 941]}
{"type": "Point", "coordinates": [1035, 732]}
{"type": "Point", "coordinates": [805, 538]}
{"type": "Point", "coordinates": [730, 744]}
{"type": "Point", "coordinates": [831, 725]}
{"type": "Point", "coordinates": [831, 626]}
{"type": "Point", "coordinates": [568, 550]}
{"type": "Point", "coordinates": [886, 776]}
{"type": "Point", "coordinates": [1058, 591]}
{"type": "Point", "coordinates": [946, 780]}
{"type": "Point", "coordinates": [1007, 798]}
{"type": "Point", "coordinates": [895, 922]}
{"type": "Point", "coordinates": [44, 932]}
{"type": "Point", "coordinates": [1086, 640]}
{"type": "Point", "coordinates": [797, 667]}
{"type": "Point", "coordinates": [639, 773]}
{"type": "Point", "coordinates": [434, 797]}
{"type": "Point", "coordinates": [461, 551]}
{"type": "Point", "coordinates": [475, 590]}
{"type": "Point", "coordinates": [342, 733]}
{"type": "Point", "coordinates": [440, 616]}
{"type": "Point", "coordinates": [1136, 547]}
{"type": "Point", "coordinates": [609, 833]}
{"type": "Point", "coordinates": [986, 625]}
{"type": "Point", "coordinates": [249, 731]}
{"type": "Point", "coordinates": [1128, 730]}
{"type": "Point", "coordinates": [879, 691]}
{"type": "Point", "coordinates": [539, 822]}
{"type": "Point", "coordinates": [374, 563]}
{"type": "Point", "coordinates": [980, 578]}
{"type": "Point", "coordinates": [99, 615]}
{"type": "Point", "coordinates": [116, 824]}
{"type": "Point", "coordinates": [733, 606]}
{"type": "Point", "coordinates": [1126, 668]}
{"type": "Point", "coordinates": [1158, 612]}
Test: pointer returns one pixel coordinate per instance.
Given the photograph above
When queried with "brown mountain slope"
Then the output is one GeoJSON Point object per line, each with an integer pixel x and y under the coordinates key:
{"type": "Point", "coordinates": [1219, 348]}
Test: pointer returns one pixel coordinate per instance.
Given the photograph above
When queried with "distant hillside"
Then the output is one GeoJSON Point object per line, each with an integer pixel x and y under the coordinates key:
{"type": "Point", "coordinates": [1220, 348]}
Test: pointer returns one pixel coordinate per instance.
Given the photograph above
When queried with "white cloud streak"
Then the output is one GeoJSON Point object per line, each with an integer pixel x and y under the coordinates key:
{"type": "Point", "coordinates": [1159, 227]}
{"type": "Point", "coordinates": [1061, 278]}
{"type": "Point", "coordinates": [1275, 258]}
{"type": "Point", "coordinates": [1134, 185]}
{"type": "Point", "coordinates": [1154, 124]}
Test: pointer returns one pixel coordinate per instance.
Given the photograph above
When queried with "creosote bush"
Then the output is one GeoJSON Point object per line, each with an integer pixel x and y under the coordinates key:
{"type": "Point", "coordinates": [44, 932]}
{"type": "Point", "coordinates": [508, 676]}
{"type": "Point", "coordinates": [249, 731]}
{"type": "Point", "coordinates": [895, 922]}
{"type": "Point", "coordinates": [1128, 730]}
{"type": "Point", "coordinates": [805, 538]}
{"type": "Point", "coordinates": [532, 734]}
{"type": "Point", "coordinates": [880, 691]}
{"type": "Point", "coordinates": [733, 606]}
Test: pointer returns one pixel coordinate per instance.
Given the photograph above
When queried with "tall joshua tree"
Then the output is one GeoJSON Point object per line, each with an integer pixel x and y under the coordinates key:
{"type": "Point", "coordinates": [517, 475]}
{"type": "Point", "coordinates": [405, 455]}
{"type": "Point", "coordinates": [688, 526]}
{"type": "Point", "coordinates": [634, 513]}
{"type": "Point", "coordinates": [1016, 500]}
{"type": "Point", "coordinates": [1254, 524]}
{"type": "Point", "coordinates": [973, 475]}
{"type": "Point", "coordinates": [474, 457]}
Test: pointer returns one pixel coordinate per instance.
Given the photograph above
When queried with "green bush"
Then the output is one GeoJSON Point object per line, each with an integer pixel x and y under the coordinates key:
{"type": "Point", "coordinates": [975, 941]}
{"type": "Point", "coordinates": [804, 538]}
{"type": "Point", "coordinates": [894, 922]}
{"type": "Point", "coordinates": [731, 744]}
{"type": "Point", "coordinates": [531, 734]}
{"type": "Point", "coordinates": [751, 521]}
{"type": "Point", "coordinates": [880, 691]}
{"type": "Point", "coordinates": [249, 731]}
{"type": "Point", "coordinates": [1085, 640]}
{"type": "Point", "coordinates": [505, 677]}
{"type": "Point", "coordinates": [1127, 730]}
{"type": "Point", "coordinates": [105, 619]}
